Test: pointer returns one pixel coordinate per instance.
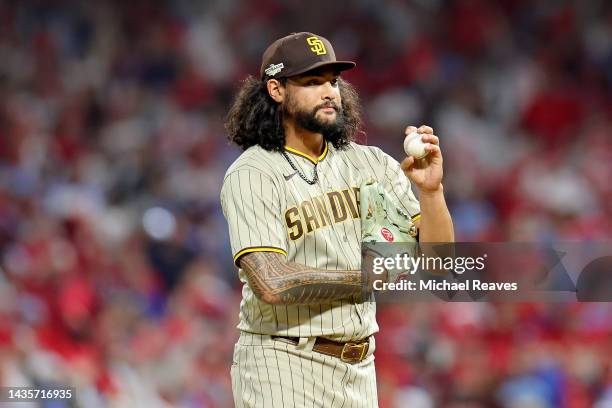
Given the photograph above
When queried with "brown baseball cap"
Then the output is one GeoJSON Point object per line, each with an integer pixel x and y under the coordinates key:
{"type": "Point", "coordinates": [298, 53]}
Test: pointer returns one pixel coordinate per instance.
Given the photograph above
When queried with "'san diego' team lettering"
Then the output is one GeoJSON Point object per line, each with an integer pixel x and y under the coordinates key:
{"type": "Point", "coordinates": [313, 214]}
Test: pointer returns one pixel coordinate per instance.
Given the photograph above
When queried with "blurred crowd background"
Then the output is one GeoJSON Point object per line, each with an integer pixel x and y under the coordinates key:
{"type": "Point", "coordinates": [116, 274]}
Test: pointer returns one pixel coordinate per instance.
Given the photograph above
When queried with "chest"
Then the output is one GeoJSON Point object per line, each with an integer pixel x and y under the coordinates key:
{"type": "Point", "coordinates": [332, 200]}
{"type": "Point", "coordinates": [334, 175]}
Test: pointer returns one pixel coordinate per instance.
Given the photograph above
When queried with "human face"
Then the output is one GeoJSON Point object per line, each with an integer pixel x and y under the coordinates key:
{"type": "Point", "coordinates": [313, 101]}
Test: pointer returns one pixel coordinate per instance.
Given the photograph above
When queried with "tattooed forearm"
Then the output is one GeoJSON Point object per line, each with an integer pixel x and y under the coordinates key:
{"type": "Point", "coordinates": [276, 281]}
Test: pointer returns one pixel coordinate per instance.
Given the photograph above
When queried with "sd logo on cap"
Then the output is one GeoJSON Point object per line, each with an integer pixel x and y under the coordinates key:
{"type": "Point", "coordinates": [298, 53]}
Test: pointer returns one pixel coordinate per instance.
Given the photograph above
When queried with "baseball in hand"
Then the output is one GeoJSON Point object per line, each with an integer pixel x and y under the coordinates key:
{"type": "Point", "coordinates": [414, 145]}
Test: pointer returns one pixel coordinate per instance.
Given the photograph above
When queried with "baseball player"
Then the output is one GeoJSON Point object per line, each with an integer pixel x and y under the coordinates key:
{"type": "Point", "coordinates": [291, 201]}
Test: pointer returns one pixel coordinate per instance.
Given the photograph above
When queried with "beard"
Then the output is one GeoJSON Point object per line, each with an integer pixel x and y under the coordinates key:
{"type": "Point", "coordinates": [332, 130]}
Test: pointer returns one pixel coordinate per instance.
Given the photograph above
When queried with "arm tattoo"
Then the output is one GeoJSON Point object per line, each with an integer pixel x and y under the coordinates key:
{"type": "Point", "coordinates": [276, 281]}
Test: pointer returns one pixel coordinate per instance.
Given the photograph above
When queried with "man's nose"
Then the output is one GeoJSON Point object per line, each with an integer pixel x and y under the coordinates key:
{"type": "Point", "coordinates": [328, 91]}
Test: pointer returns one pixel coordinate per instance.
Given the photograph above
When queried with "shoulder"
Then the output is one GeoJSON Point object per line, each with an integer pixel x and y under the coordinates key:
{"type": "Point", "coordinates": [254, 168]}
{"type": "Point", "coordinates": [372, 154]}
{"type": "Point", "coordinates": [254, 160]}
{"type": "Point", "coordinates": [364, 149]}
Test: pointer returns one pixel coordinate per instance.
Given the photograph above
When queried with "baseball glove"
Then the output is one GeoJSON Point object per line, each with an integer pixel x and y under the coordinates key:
{"type": "Point", "coordinates": [384, 222]}
{"type": "Point", "coordinates": [381, 221]}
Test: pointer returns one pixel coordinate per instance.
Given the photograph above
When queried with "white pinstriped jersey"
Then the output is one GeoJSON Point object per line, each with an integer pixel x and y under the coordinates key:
{"type": "Point", "coordinates": [269, 207]}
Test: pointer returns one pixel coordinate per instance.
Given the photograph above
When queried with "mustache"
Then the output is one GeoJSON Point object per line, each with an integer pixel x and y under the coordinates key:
{"type": "Point", "coordinates": [328, 104]}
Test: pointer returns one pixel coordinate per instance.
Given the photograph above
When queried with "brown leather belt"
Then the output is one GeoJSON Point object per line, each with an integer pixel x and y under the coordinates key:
{"type": "Point", "coordinates": [349, 352]}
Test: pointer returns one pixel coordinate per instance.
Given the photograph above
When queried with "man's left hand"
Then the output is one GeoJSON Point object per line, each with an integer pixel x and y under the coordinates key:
{"type": "Point", "coordinates": [426, 173]}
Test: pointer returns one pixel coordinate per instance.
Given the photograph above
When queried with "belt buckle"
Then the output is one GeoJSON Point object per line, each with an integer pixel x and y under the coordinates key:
{"type": "Point", "coordinates": [349, 346]}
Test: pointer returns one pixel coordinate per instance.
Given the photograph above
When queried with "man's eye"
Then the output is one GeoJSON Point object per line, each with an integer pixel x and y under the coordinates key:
{"type": "Point", "coordinates": [334, 82]}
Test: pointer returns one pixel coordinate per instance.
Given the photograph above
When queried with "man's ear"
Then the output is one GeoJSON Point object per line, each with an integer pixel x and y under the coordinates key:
{"type": "Point", "coordinates": [276, 90]}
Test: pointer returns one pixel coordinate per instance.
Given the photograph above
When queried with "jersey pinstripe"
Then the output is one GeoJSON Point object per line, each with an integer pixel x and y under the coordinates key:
{"type": "Point", "coordinates": [269, 207]}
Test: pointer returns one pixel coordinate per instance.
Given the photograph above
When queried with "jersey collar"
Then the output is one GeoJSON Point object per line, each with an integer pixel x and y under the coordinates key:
{"type": "Point", "coordinates": [304, 155]}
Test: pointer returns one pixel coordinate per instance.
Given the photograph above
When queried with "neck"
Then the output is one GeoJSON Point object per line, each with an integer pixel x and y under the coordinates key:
{"type": "Point", "coordinates": [307, 142]}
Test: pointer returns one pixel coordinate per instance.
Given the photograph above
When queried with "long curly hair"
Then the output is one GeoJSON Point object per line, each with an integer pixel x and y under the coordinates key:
{"type": "Point", "coordinates": [256, 119]}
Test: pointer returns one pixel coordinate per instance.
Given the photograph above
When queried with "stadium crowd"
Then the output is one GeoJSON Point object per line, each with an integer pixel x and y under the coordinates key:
{"type": "Point", "coordinates": [116, 275]}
